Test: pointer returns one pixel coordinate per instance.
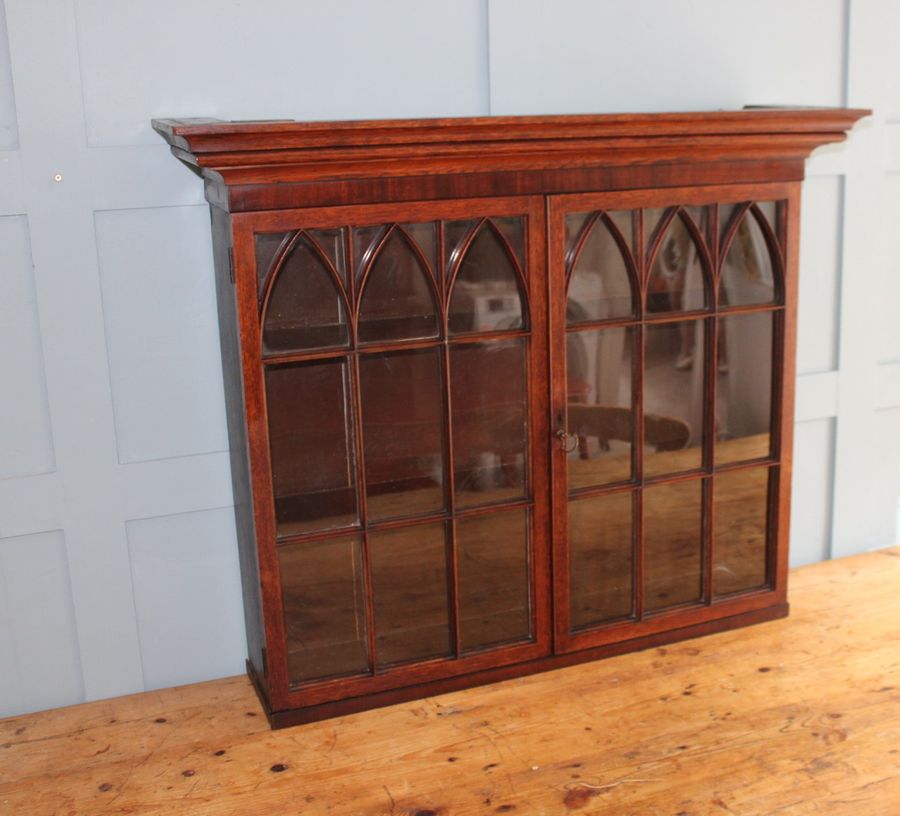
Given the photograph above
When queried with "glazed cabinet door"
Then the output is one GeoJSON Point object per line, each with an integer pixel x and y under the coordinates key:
{"type": "Point", "coordinates": [668, 333]}
{"type": "Point", "coordinates": [396, 380]}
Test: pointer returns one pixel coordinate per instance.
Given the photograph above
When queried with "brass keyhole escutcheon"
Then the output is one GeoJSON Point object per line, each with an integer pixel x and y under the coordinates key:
{"type": "Point", "coordinates": [565, 440]}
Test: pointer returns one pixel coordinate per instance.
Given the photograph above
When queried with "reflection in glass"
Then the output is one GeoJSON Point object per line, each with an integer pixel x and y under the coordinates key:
{"type": "Point", "coordinates": [409, 588]}
{"type": "Point", "coordinates": [311, 444]}
{"type": "Point", "coordinates": [599, 284]}
{"type": "Point", "coordinates": [673, 397]}
{"type": "Point", "coordinates": [676, 278]}
{"type": "Point", "coordinates": [331, 242]}
{"type": "Point", "coordinates": [486, 295]}
{"type": "Point", "coordinates": [672, 544]}
{"type": "Point", "coordinates": [494, 586]}
{"type": "Point", "coordinates": [425, 235]}
{"type": "Point", "coordinates": [744, 387]}
{"type": "Point", "coordinates": [747, 274]}
{"type": "Point", "coordinates": [727, 213]}
{"type": "Point", "coordinates": [599, 405]}
{"type": "Point", "coordinates": [324, 608]}
{"type": "Point", "coordinates": [455, 233]}
{"type": "Point", "coordinates": [267, 246]}
{"type": "Point", "coordinates": [305, 310]}
{"type": "Point", "coordinates": [739, 539]}
{"type": "Point", "coordinates": [601, 559]}
{"type": "Point", "coordinates": [700, 216]}
{"type": "Point", "coordinates": [365, 242]}
{"type": "Point", "coordinates": [488, 398]}
{"type": "Point", "coordinates": [769, 210]}
{"type": "Point", "coordinates": [513, 229]}
{"type": "Point", "coordinates": [401, 398]}
{"type": "Point", "coordinates": [653, 216]}
{"type": "Point", "coordinates": [397, 302]}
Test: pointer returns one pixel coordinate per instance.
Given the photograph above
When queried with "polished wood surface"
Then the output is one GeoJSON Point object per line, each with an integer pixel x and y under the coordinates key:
{"type": "Point", "coordinates": [428, 235]}
{"type": "Point", "coordinates": [798, 716]}
{"type": "Point", "coordinates": [265, 165]}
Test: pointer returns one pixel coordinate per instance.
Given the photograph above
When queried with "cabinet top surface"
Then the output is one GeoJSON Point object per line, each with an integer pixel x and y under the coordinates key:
{"type": "Point", "coordinates": [211, 135]}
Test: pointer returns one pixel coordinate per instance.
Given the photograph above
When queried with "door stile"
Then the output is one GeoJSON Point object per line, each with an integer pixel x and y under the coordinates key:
{"type": "Point", "coordinates": [556, 289]}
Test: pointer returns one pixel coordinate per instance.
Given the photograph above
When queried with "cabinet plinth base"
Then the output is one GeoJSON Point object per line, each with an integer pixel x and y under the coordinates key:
{"type": "Point", "coordinates": [353, 705]}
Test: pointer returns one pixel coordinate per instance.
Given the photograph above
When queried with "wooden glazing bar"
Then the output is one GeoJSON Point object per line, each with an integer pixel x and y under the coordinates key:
{"type": "Point", "coordinates": [706, 540]}
{"type": "Point", "coordinates": [710, 362]}
{"type": "Point", "coordinates": [361, 491]}
{"type": "Point", "coordinates": [637, 516]}
{"type": "Point", "coordinates": [450, 478]}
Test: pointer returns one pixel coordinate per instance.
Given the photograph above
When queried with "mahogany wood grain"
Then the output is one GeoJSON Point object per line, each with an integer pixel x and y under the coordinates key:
{"type": "Point", "coordinates": [289, 177]}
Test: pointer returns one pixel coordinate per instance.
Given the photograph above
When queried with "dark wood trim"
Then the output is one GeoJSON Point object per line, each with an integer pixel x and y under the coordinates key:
{"type": "Point", "coordinates": [540, 423]}
{"type": "Point", "coordinates": [207, 135]}
{"type": "Point", "coordinates": [239, 455]}
{"type": "Point", "coordinates": [262, 196]}
{"type": "Point", "coordinates": [555, 288]}
{"type": "Point", "coordinates": [266, 152]}
{"type": "Point", "coordinates": [785, 391]}
{"type": "Point", "coordinates": [260, 463]}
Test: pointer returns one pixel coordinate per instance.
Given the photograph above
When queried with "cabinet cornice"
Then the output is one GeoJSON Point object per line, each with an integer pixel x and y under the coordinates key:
{"type": "Point", "coordinates": [251, 153]}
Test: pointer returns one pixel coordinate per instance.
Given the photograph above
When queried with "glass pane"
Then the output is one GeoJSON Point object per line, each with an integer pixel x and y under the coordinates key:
{"type": "Point", "coordinates": [575, 223]}
{"type": "Point", "coordinates": [672, 544]}
{"type": "Point", "coordinates": [486, 295]}
{"type": "Point", "coordinates": [410, 591]}
{"type": "Point", "coordinates": [623, 219]}
{"type": "Point", "coordinates": [324, 608]}
{"type": "Point", "coordinates": [267, 245]}
{"type": "Point", "coordinates": [673, 397]}
{"type": "Point", "coordinates": [488, 395]}
{"type": "Point", "coordinates": [747, 273]}
{"type": "Point", "coordinates": [402, 415]}
{"type": "Point", "coordinates": [398, 302]}
{"type": "Point", "coordinates": [455, 233]}
{"type": "Point", "coordinates": [425, 236]}
{"type": "Point", "coordinates": [493, 579]}
{"type": "Point", "coordinates": [744, 387]}
{"type": "Point", "coordinates": [625, 224]}
{"type": "Point", "coordinates": [676, 278]}
{"type": "Point", "coordinates": [305, 310]}
{"type": "Point", "coordinates": [727, 213]}
{"type": "Point", "coordinates": [312, 446]}
{"type": "Point", "coordinates": [365, 240]}
{"type": "Point", "coordinates": [331, 242]}
{"type": "Point", "coordinates": [739, 541]}
{"type": "Point", "coordinates": [652, 218]}
{"type": "Point", "coordinates": [699, 216]}
{"type": "Point", "coordinates": [599, 283]}
{"type": "Point", "coordinates": [601, 559]}
{"type": "Point", "coordinates": [769, 209]}
{"type": "Point", "coordinates": [513, 229]}
{"type": "Point", "coordinates": [599, 408]}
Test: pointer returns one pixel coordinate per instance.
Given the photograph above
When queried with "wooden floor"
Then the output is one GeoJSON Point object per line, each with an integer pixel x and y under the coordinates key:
{"type": "Point", "coordinates": [798, 716]}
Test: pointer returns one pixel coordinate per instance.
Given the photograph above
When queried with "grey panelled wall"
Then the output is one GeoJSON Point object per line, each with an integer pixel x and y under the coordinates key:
{"type": "Point", "coordinates": [118, 565]}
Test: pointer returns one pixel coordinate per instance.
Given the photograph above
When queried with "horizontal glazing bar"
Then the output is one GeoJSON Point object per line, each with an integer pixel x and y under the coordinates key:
{"type": "Point", "coordinates": [381, 348]}
{"type": "Point", "coordinates": [673, 317]}
{"type": "Point", "coordinates": [407, 521]}
{"type": "Point", "coordinates": [635, 484]}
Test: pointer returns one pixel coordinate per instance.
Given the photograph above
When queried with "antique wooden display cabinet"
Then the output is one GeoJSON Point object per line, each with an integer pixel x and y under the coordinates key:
{"type": "Point", "coordinates": [504, 394]}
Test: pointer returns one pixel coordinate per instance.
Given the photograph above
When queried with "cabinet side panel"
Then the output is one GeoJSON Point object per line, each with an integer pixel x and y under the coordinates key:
{"type": "Point", "coordinates": [237, 441]}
